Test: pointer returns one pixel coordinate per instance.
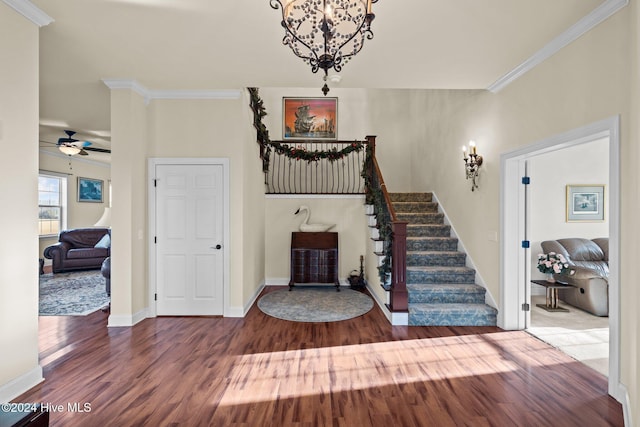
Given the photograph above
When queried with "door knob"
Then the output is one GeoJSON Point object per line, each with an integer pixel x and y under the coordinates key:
{"type": "Point", "coordinates": [216, 247]}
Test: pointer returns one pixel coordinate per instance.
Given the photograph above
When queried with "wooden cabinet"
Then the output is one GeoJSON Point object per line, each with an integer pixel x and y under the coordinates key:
{"type": "Point", "coordinates": [314, 258]}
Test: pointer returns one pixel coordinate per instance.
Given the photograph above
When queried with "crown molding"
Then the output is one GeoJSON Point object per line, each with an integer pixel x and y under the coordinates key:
{"type": "Point", "coordinates": [584, 25]}
{"type": "Point", "coordinates": [149, 94]}
{"type": "Point", "coordinates": [30, 11]}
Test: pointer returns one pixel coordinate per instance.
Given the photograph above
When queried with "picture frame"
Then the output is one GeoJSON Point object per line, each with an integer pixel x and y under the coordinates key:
{"type": "Point", "coordinates": [310, 119]}
{"type": "Point", "coordinates": [90, 190]}
{"type": "Point", "coordinates": [585, 203]}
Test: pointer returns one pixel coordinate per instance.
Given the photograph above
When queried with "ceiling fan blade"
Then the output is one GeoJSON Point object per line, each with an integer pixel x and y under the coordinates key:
{"type": "Point", "coordinates": [98, 150]}
{"type": "Point", "coordinates": [83, 153]}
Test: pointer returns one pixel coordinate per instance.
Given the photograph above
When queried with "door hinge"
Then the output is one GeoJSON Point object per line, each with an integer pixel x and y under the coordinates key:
{"type": "Point", "coordinates": [155, 297]}
{"type": "Point", "coordinates": [526, 307]}
{"type": "Point", "coordinates": [526, 244]}
{"type": "Point", "coordinates": [526, 180]}
{"type": "Point", "coordinates": [155, 239]}
{"type": "Point", "coordinates": [155, 182]}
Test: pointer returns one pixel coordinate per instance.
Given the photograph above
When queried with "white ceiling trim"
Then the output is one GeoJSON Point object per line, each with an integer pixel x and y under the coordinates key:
{"type": "Point", "coordinates": [149, 94]}
{"type": "Point", "coordinates": [30, 11]}
{"type": "Point", "coordinates": [595, 17]}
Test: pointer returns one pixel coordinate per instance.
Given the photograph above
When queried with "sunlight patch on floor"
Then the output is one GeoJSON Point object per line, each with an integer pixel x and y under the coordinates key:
{"type": "Point", "coordinates": [287, 374]}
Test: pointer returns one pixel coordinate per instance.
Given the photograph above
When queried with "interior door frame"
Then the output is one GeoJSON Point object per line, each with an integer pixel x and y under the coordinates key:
{"type": "Point", "coordinates": [513, 229]}
{"type": "Point", "coordinates": [151, 213]}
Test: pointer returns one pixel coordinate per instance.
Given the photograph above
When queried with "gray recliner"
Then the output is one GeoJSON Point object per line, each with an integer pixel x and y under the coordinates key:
{"type": "Point", "coordinates": [589, 272]}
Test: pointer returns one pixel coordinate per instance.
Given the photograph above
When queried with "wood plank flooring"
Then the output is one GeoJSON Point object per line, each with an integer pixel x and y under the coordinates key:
{"type": "Point", "coordinates": [262, 371]}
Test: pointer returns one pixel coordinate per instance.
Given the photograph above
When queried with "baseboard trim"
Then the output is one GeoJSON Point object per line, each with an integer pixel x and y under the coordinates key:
{"type": "Point", "coordinates": [125, 320]}
{"type": "Point", "coordinates": [623, 398]}
{"type": "Point", "coordinates": [253, 298]}
{"type": "Point", "coordinates": [24, 382]}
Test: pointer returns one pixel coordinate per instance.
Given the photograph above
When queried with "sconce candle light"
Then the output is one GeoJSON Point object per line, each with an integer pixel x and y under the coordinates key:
{"type": "Point", "coordinates": [472, 163]}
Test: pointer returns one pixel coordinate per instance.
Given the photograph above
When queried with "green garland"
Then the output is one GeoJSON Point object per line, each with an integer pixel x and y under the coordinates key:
{"type": "Point", "coordinates": [297, 153]}
{"type": "Point", "coordinates": [301, 153]}
{"type": "Point", "coordinates": [375, 197]}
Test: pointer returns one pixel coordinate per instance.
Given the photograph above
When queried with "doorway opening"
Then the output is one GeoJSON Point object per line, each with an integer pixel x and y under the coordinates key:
{"type": "Point", "coordinates": [515, 275]}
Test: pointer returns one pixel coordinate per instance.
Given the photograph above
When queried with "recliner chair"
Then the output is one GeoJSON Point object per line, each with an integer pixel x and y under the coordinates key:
{"type": "Point", "coordinates": [588, 272]}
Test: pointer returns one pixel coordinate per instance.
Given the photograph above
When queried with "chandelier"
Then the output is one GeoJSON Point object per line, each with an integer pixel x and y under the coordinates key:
{"type": "Point", "coordinates": [325, 33]}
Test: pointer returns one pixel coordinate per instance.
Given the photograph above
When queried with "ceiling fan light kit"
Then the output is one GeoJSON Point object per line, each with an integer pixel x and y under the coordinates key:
{"type": "Point", "coordinates": [325, 33]}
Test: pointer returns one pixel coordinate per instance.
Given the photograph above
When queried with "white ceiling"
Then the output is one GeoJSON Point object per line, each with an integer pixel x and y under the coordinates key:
{"type": "Point", "coordinates": [212, 45]}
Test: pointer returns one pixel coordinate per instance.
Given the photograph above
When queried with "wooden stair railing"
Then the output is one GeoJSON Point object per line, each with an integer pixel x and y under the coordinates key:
{"type": "Point", "coordinates": [399, 296]}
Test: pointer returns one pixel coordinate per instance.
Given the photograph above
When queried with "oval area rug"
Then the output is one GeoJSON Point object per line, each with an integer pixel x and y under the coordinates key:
{"type": "Point", "coordinates": [315, 304]}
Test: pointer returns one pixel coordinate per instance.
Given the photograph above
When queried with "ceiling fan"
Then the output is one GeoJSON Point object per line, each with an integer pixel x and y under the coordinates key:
{"type": "Point", "coordinates": [72, 146]}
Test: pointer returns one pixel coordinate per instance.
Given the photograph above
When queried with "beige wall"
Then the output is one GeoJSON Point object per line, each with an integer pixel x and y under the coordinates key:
{"type": "Point", "coordinates": [586, 82]}
{"type": "Point", "coordinates": [79, 215]}
{"type": "Point", "coordinates": [182, 128]}
{"type": "Point", "coordinates": [387, 114]}
{"type": "Point", "coordinates": [19, 367]}
{"type": "Point", "coordinates": [346, 213]}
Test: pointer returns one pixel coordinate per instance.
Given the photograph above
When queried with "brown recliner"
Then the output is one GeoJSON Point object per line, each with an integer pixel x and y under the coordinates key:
{"type": "Point", "coordinates": [76, 250]}
{"type": "Point", "coordinates": [588, 274]}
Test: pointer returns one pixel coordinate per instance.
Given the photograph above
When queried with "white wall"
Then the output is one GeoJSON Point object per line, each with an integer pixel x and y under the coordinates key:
{"type": "Point", "coordinates": [586, 164]}
{"type": "Point", "coordinates": [19, 368]}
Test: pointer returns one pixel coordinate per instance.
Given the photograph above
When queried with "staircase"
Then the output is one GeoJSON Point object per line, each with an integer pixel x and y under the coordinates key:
{"type": "Point", "coordinates": [442, 290]}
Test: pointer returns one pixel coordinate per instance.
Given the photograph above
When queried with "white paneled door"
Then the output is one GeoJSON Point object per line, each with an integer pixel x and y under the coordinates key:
{"type": "Point", "coordinates": [189, 238]}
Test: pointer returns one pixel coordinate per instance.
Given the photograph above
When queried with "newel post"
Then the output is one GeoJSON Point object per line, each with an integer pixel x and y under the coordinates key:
{"type": "Point", "coordinates": [399, 295]}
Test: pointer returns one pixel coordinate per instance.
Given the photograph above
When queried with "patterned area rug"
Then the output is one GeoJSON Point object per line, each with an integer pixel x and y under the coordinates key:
{"type": "Point", "coordinates": [315, 304]}
{"type": "Point", "coordinates": [72, 294]}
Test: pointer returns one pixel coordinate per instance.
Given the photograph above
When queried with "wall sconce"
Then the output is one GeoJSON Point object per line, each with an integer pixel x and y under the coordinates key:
{"type": "Point", "coordinates": [472, 163]}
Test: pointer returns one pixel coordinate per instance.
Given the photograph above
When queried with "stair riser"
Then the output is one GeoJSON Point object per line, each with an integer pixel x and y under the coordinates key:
{"type": "Point", "coordinates": [444, 244]}
{"type": "Point", "coordinates": [416, 207]}
{"type": "Point", "coordinates": [440, 277]}
{"type": "Point", "coordinates": [411, 197]}
{"type": "Point", "coordinates": [435, 260]}
{"type": "Point", "coordinates": [436, 319]}
{"type": "Point", "coordinates": [428, 218]}
{"type": "Point", "coordinates": [434, 230]}
{"type": "Point", "coordinates": [449, 298]}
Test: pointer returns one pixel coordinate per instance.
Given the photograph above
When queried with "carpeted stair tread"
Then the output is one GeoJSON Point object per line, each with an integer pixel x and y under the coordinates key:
{"type": "Point", "coordinates": [421, 218]}
{"type": "Point", "coordinates": [432, 244]}
{"type": "Point", "coordinates": [436, 258]}
{"type": "Point", "coordinates": [443, 293]}
{"type": "Point", "coordinates": [411, 197]}
{"type": "Point", "coordinates": [425, 314]}
{"type": "Point", "coordinates": [428, 230]}
{"type": "Point", "coordinates": [415, 207]}
{"type": "Point", "coordinates": [431, 275]}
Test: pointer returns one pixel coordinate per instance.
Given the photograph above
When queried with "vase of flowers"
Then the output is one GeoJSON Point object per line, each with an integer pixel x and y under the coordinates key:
{"type": "Point", "coordinates": [552, 263]}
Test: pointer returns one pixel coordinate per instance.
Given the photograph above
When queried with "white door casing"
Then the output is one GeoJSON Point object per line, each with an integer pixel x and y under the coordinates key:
{"type": "Point", "coordinates": [513, 230]}
{"type": "Point", "coordinates": [188, 212]}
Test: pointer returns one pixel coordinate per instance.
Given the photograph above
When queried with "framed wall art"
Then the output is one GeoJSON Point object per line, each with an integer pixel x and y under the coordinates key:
{"type": "Point", "coordinates": [311, 119]}
{"type": "Point", "coordinates": [90, 190]}
{"type": "Point", "coordinates": [585, 203]}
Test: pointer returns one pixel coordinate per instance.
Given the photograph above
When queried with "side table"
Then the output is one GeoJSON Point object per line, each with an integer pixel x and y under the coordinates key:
{"type": "Point", "coordinates": [552, 294]}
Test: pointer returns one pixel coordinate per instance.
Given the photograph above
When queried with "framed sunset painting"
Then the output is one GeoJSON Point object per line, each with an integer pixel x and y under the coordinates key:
{"type": "Point", "coordinates": [311, 119]}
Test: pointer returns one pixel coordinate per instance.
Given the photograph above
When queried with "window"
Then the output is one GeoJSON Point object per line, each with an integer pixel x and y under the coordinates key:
{"type": "Point", "coordinates": [52, 204]}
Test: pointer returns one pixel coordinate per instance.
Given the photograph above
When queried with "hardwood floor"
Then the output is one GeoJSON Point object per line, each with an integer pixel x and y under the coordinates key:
{"type": "Point", "coordinates": [261, 371]}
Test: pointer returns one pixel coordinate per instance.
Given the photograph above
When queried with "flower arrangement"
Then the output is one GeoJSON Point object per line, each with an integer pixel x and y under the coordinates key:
{"type": "Point", "coordinates": [552, 263]}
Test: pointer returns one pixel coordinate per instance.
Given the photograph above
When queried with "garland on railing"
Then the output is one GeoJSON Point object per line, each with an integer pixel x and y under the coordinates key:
{"type": "Point", "coordinates": [301, 153]}
{"type": "Point", "coordinates": [375, 197]}
{"type": "Point", "coordinates": [257, 105]}
{"type": "Point", "coordinates": [297, 153]}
